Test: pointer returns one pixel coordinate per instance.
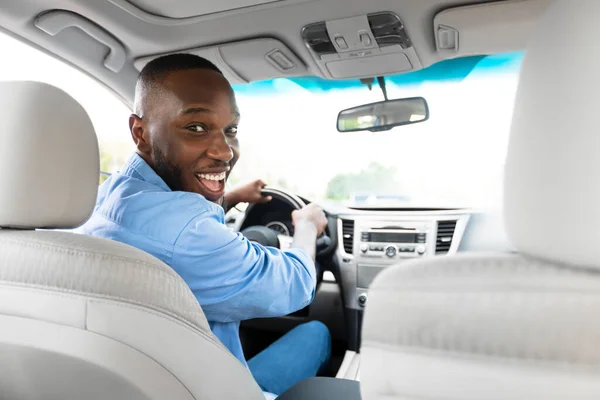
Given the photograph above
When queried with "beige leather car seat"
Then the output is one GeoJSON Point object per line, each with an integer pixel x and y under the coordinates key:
{"type": "Point", "coordinates": [513, 326]}
{"type": "Point", "coordinates": [83, 317]}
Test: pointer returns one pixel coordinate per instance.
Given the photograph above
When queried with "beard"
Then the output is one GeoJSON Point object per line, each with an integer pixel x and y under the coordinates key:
{"type": "Point", "coordinates": [170, 173]}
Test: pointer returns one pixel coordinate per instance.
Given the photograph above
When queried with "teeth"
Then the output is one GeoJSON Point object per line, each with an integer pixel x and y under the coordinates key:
{"type": "Point", "coordinates": [213, 177]}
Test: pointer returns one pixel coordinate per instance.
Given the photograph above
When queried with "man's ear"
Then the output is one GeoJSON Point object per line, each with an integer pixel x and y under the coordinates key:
{"type": "Point", "coordinates": [139, 134]}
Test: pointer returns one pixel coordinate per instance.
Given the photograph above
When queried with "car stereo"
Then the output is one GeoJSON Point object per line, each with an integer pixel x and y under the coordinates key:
{"type": "Point", "coordinates": [406, 240]}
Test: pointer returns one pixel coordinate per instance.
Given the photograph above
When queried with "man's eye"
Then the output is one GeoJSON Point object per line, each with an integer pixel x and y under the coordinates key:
{"type": "Point", "coordinates": [196, 128]}
{"type": "Point", "coordinates": [233, 130]}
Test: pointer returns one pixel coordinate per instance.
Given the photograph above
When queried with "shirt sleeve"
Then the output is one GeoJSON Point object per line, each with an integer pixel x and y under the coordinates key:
{"type": "Point", "coordinates": [235, 279]}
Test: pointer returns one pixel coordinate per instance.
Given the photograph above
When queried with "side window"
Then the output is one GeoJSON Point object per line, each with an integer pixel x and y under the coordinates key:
{"type": "Point", "coordinates": [108, 113]}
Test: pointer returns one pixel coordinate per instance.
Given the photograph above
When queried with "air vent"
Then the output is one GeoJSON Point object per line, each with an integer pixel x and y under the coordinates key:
{"type": "Point", "coordinates": [445, 232]}
{"type": "Point", "coordinates": [348, 235]}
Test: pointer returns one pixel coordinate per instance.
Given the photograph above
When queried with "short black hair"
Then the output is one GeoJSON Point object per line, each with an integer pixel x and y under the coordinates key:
{"type": "Point", "coordinates": [163, 65]}
{"type": "Point", "coordinates": [149, 80]}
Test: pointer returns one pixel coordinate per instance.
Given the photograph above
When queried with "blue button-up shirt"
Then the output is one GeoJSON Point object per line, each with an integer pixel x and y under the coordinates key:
{"type": "Point", "coordinates": [232, 278]}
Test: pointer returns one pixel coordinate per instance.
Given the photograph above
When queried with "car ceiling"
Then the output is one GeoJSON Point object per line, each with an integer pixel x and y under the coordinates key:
{"type": "Point", "coordinates": [147, 28]}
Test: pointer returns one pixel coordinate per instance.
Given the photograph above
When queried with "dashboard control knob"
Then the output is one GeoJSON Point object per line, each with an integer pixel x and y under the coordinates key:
{"type": "Point", "coordinates": [390, 251]}
{"type": "Point", "coordinates": [362, 299]}
{"type": "Point", "coordinates": [364, 247]}
{"type": "Point", "coordinates": [421, 249]}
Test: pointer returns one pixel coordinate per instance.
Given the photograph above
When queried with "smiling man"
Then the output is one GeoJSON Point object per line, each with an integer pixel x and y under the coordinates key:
{"type": "Point", "coordinates": [168, 201]}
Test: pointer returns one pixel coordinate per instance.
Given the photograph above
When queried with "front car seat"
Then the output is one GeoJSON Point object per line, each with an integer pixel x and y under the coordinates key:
{"type": "Point", "coordinates": [83, 317]}
{"type": "Point", "coordinates": [512, 326]}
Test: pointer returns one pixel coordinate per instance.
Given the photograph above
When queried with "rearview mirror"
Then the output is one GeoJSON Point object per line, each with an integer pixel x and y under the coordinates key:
{"type": "Point", "coordinates": [384, 115]}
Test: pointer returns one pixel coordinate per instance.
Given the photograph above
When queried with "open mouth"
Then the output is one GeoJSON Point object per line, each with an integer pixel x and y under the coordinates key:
{"type": "Point", "coordinates": [214, 183]}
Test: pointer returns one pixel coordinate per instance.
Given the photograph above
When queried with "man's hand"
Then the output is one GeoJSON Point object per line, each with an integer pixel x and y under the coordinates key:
{"type": "Point", "coordinates": [309, 223]}
{"type": "Point", "coordinates": [312, 214]}
{"type": "Point", "coordinates": [249, 193]}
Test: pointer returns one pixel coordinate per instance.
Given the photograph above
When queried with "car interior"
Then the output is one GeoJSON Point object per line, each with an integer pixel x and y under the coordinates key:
{"type": "Point", "coordinates": [423, 299]}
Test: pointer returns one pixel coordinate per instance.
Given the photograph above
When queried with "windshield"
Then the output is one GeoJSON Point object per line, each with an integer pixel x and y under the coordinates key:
{"type": "Point", "coordinates": [288, 132]}
{"type": "Point", "coordinates": [288, 137]}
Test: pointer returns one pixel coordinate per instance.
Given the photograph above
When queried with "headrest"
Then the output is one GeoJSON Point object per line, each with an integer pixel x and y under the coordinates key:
{"type": "Point", "coordinates": [49, 158]}
{"type": "Point", "coordinates": [552, 175]}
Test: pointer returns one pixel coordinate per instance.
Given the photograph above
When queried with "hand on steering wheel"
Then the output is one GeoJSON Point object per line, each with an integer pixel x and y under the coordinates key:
{"type": "Point", "coordinates": [312, 213]}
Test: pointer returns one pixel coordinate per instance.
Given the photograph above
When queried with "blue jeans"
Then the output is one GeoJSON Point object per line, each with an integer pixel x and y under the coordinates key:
{"type": "Point", "coordinates": [297, 355]}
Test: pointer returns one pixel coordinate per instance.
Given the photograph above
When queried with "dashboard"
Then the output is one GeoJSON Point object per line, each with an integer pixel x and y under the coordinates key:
{"type": "Point", "coordinates": [366, 241]}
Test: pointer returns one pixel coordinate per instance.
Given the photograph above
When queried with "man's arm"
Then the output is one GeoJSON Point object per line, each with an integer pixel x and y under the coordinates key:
{"type": "Point", "coordinates": [305, 238]}
{"type": "Point", "coordinates": [234, 279]}
{"type": "Point", "coordinates": [249, 193]}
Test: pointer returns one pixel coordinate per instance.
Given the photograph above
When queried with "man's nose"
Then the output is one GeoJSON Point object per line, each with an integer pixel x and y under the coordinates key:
{"type": "Point", "coordinates": [219, 148]}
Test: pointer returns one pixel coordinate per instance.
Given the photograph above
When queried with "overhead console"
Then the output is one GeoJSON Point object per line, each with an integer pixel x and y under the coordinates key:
{"type": "Point", "coordinates": [361, 47]}
{"type": "Point", "coordinates": [247, 60]}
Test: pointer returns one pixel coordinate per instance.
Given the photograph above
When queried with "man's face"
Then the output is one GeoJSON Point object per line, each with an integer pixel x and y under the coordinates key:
{"type": "Point", "coordinates": [191, 131]}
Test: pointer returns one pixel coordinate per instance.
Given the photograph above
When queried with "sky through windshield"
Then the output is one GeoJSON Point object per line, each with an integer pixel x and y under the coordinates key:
{"type": "Point", "coordinates": [288, 136]}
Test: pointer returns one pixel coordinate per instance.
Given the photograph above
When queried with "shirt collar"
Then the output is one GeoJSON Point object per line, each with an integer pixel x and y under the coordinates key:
{"type": "Point", "coordinates": [137, 167]}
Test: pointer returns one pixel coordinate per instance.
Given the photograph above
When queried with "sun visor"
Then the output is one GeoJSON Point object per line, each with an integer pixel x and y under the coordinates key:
{"type": "Point", "coordinates": [247, 61]}
{"type": "Point", "coordinates": [489, 28]}
{"type": "Point", "coordinates": [188, 9]}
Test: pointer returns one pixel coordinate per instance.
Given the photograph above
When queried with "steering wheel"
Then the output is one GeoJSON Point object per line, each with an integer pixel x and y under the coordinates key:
{"type": "Point", "coordinates": [268, 237]}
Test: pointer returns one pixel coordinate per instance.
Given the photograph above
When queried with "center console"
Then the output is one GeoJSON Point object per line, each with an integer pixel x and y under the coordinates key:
{"type": "Point", "coordinates": [383, 243]}
{"type": "Point", "coordinates": [371, 242]}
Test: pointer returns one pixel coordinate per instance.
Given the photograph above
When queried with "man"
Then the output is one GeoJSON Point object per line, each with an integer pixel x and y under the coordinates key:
{"type": "Point", "coordinates": [167, 200]}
